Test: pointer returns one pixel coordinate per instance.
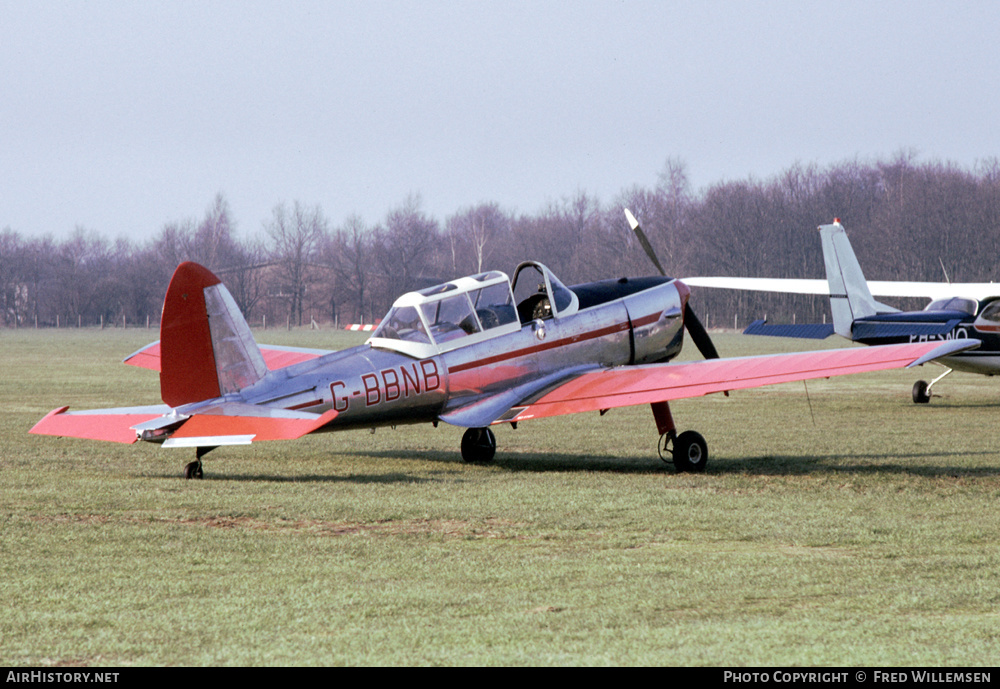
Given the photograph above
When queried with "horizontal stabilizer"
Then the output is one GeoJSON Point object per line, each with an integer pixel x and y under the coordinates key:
{"type": "Point", "coordinates": [870, 329]}
{"type": "Point", "coordinates": [808, 331]}
{"type": "Point", "coordinates": [111, 425]}
{"type": "Point", "coordinates": [275, 356]}
{"type": "Point", "coordinates": [240, 424]}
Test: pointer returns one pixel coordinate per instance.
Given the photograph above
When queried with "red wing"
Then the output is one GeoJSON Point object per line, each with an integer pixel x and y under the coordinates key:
{"type": "Point", "coordinates": [274, 356]}
{"type": "Point", "coordinates": [629, 385]}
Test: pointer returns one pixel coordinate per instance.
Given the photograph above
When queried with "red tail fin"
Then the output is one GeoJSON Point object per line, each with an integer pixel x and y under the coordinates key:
{"type": "Point", "coordinates": [187, 366]}
{"type": "Point", "coordinates": [202, 357]}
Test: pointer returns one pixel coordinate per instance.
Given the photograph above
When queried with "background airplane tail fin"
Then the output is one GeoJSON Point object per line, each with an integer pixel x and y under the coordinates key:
{"type": "Point", "coordinates": [206, 347]}
{"type": "Point", "coordinates": [850, 297]}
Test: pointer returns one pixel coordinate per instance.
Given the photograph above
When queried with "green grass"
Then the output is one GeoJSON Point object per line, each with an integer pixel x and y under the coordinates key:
{"type": "Point", "coordinates": [847, 528]}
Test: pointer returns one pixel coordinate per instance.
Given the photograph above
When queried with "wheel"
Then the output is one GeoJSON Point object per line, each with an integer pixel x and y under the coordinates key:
{"type": "Point", "coordinates": [690, 452]}
{"type": "Point", "coordinates": [194, 470]}
{"type": "Point", "coordinates": [921, 394]}
{"type": "Point", "coordinates": [479, 445]}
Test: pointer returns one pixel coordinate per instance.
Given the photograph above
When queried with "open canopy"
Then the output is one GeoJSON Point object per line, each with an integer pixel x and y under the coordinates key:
{"type": "Point", "coordinates": [472, 309]}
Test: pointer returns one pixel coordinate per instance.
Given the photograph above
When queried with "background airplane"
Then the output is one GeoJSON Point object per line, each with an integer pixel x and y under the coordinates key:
{"type": "Point", "coordinates": [957, 310]}
{"type": "Point", "coordinates": [474, 352]}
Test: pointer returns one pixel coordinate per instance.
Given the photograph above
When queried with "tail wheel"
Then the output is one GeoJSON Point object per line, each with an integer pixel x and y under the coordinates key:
{"type": "Point", "coordinates": [194, 470]}
{"type": "Point", "coordinates": [690, 452]}
{"type": "Point", "coordinates": [921, 392]}
{"type": "Point", "coordinates": [479, 445]}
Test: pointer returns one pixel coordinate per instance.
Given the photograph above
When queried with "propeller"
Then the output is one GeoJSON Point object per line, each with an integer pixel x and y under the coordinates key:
{"type": "Point", "coordinates": [694, 327]}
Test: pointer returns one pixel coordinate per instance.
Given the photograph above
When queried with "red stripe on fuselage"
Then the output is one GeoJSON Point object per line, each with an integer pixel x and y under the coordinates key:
{"type": "Point", "coordinates": [582, 337]}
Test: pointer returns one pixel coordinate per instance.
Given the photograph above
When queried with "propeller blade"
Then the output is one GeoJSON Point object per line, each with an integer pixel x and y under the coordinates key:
{"type": "Point", "coordinates": [646, 246]}
{"type": "Point", "coordinates": [694, 327]}
{"type": "Point", "coordinates": [698, 334]}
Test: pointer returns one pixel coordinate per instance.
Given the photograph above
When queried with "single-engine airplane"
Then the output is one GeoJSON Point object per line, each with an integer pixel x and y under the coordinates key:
{"type": "Point", "coordinates": [473, 352]}
{"type": "Point", "coordinates": [956, 310]}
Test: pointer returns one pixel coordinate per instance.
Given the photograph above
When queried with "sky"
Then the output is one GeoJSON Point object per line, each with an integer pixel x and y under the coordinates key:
{"type": "Point", "coordinates": [121, 117]}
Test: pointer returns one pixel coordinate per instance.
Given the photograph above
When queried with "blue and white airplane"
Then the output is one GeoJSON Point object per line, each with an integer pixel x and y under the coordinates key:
{"type": "Point", "coordinates": [956, 310]}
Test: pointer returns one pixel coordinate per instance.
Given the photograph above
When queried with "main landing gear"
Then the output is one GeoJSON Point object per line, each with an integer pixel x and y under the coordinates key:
{"type": "Point", "coordinates": [479, 446]}
{"type": "Point", "coordinates": [688, 451]}
{"type": "Point", "coordinates": [922, 389]}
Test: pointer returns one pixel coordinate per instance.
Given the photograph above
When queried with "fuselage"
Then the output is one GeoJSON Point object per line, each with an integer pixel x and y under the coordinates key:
{"type": "Point", "coordinates": [940, 324]}
{"type": "Point", "coordinates": [616, 323]}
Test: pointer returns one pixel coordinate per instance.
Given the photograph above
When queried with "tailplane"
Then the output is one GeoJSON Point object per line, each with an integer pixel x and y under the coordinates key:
{"type": "Point", "coordinates": [850, 298]}
{"type": "Point", "coordinates": [206, 347]}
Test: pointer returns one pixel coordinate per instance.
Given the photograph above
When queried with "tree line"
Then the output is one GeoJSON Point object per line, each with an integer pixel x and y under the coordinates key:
{"type": "Point", "coordinates": [907, 220]}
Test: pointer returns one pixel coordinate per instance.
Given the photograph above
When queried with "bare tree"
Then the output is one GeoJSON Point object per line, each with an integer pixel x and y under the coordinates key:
{"type": "Point", "coordinates": [406, 251]}
{"type": "Point", "coordinates": [295, 237]}
{"type": "Point", "coordinates": [347, 252]}
{"type": "Point", "coordinates": [473, 236]}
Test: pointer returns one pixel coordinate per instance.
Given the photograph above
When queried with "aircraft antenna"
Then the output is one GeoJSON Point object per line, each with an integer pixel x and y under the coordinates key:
{"type": "Point", "coordinates": [809, 402]}
{"type": "Point", "coordinates": [946, 278]}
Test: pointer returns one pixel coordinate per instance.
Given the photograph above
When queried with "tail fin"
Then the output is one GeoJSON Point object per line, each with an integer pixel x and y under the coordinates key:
{"type": "Point", "coordinates": [207, 349]}
{"type": "Point", "coordinates": [850, 297]}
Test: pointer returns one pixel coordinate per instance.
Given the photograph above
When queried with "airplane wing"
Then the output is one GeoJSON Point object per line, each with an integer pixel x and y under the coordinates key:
{"type": "Point", "coordinates": [224, 423]}
{"type": "Point", "coordinates": [275, 356]}
{"type": "Point", "coordinates": [630, 385]}
{"type": "Point", "coordinates": [878, 288]}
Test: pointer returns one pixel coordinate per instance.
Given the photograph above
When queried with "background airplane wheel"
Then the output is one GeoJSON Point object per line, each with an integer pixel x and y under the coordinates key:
{"type": "Point", "coordinates": [479, 445]}
{"type": "Point", "coordinates": [920, 394]}
{"type": "Point", "coordinates": [690, 452]}
{"type": "Point", "coordinates": [194, 470]}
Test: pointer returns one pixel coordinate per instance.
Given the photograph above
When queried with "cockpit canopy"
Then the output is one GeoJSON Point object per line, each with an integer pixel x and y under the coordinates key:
{"type": "Point", "coordinates": [449, 315]}
{"type": "Point", "coordinates": [472, 309]}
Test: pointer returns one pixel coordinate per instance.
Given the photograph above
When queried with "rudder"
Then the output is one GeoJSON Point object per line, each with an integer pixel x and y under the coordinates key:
{"type": "Point", "coordinates": [207, 349]}
{"type": "Point", "coordinates": [850, 297]}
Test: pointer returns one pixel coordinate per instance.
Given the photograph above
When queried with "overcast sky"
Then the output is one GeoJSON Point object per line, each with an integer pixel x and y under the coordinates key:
{"type": "Point", "coordinates": [122, 116]}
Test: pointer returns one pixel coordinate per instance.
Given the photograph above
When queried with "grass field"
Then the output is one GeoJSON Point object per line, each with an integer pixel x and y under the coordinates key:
{"type": "Point", "coordinates": [843, 527]}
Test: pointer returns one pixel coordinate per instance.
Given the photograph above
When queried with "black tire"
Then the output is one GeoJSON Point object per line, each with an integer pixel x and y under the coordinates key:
{"type": "Point", "coordinates": [194, 470]}
{"type": "Point", "coordinates": [920, 393]}
{"type": "Point", "coordinates": [690, 452]}
{"type": "Point", "coordinates": [479, 446]}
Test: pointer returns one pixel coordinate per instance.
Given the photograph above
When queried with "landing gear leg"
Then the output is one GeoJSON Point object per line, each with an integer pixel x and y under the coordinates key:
{"type": "Point", "coordinates": [195, 469]}
{"type": "Point", "coordinates": [479, 445]}
{"type": "Point", "coordinates": [922, 389]}
{"type": "Point", "coordinates": [688, 451]}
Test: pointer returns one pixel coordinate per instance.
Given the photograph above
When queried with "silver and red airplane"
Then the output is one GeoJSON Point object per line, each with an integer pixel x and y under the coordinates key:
{"type": "Point", "coordinates": [475, 352]}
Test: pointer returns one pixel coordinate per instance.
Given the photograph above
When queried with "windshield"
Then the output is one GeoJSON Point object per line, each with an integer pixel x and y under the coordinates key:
{"type": "Point", "coordinates": [953, 304]}
{"type": "Point", "coordinates": [402, 323]}
{"type": "Point", "coordinates": [991, 312]}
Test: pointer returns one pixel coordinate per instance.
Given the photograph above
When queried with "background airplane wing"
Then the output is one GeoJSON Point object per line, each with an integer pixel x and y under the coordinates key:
{"type": "Point", "coordinates": [878, 288]}
{"type": "Point", "coordinates": [630, 385]}
{"type": "Point", "coordinates": [275, 356]}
